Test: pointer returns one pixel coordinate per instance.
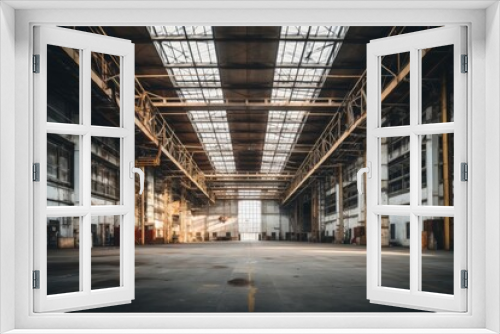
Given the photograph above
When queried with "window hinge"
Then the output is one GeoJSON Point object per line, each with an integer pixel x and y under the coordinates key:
{"type": "Point", "coordinates": [464, 172]}
{"type": "Point", "coordinates": [465, 64]}
{"type": "Point", "coordinates": [36, 172]}
{"type": "Point", "coordinates": [36, 279]}
{"type": "Point", "coordinates": [465, 279]}
{"type": "Point", "coordinates": [36, 63]}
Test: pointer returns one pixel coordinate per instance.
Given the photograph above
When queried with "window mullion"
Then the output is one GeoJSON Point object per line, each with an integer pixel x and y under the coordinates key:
{"type": "Point", "coordinates": [414, 169]}
{"type": "Point", "coordinates": [86, 171]}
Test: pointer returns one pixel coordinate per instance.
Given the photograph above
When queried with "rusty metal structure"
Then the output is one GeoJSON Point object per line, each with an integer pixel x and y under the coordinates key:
{"type": "Point", "coordinates": [249, 113]}
{"type": "Point", "coordinates": [321, 90]}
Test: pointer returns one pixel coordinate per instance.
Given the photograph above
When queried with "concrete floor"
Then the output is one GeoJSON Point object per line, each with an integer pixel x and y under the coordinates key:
{"type": "Point", "coordinates": [259, 277]}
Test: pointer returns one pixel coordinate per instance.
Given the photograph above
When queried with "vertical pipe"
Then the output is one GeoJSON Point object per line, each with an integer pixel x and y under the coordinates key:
{"type": "Point", "coordinates": [279, 220]}
{"type": "Point", "coordinates": [103, 228]}
{"type": "Point", "coordinates": [143, 210]}
{"type": "Point", "coordinates": [314, 212]}
{"type": "Point", "coordinates": [446, 180]}
{"type": "Point", "coordinates": [296, 219]}
{"type": "Point", "coordinates": [182, 214]}
{"type": "Point", "coordinates": [166, 218]}
{"type": "Point", "coordinates": [340, 231]}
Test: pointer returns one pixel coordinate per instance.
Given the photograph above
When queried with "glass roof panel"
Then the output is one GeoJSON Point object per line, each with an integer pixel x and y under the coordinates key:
{"type": "Point", "coordinates": [313, 57]}
{"type": "Point", "coordinates": [180, 31]}
{"type": "Point", "coordinates": [251, 193]}
{"type": "Point", "coordinates": [199, 82]}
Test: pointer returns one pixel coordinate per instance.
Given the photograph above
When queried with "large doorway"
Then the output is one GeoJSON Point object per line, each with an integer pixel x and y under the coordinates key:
{"type": "Point", "coordinates": [250, 220]}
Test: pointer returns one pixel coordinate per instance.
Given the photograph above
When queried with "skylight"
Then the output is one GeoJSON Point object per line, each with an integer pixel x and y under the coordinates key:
{"type": "Point", "coordinates": [301, 70]}
{"type": "Point", "coordinates": [186, 61]}
{"type": "Point", "coordinates": [248, 193]}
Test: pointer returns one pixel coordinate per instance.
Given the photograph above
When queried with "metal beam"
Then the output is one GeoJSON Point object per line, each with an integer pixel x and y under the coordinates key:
{"type": "Point", "coordinates": [248, 39]}
{"type": "Point", "coordinates": [248, 176]}
{"type": "Point", "coordinates": [246, 86]}
{"type": "Point", "coordinates": [241, 182]}
{"type": "Point", "coordinates": [224, 188]}
{"type": "Point", "coordinates": [248, 132]}
{"type": "Point", "coordinates": [264, 112]}
{"type": "Point", "coordinates": [148, 121]}
{"type": "Point", "coordinates": [252, 103]}
{"type": "Point", "coordinates": [245, 197]}
{"type": "Point", "coordinates": [166, 75]}
{"type": "Point", "coordinates": [234, 121]}
{"type": "Point", "coordinates": [169, 150]}
{"type": "Point", "coordinates": [252, 67]}
{"type": "Point", "coordinates": [336, 133]}
{"type": "Point", "coordinates": [254, 150]}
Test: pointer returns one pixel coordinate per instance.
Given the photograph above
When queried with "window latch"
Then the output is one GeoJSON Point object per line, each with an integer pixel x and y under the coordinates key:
{"type": "Point", "coordinates": [368, 171]}
{"type": "Point", "coordinates": [134, 170]}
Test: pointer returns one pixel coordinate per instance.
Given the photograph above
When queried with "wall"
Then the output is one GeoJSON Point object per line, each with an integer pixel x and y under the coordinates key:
{"type": "Point", "coordinates": [418, 321]}
{"type": "Point", "coordinates": [354, 207]}
{"type": "Point", "coordinates": [490, 168]}
{"type": "Point", "coordinates": [222, 218]}
{"type": "Point", "coordinates": [275, 219]}
{"type": "Point", "coordinates": [217, 220]}
{"type": "Point", "coordinates": [7, 168]}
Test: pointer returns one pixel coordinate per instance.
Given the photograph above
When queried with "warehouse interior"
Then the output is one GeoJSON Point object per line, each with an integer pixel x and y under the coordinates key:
{"type": "Point", "coordinates": [250, 139]}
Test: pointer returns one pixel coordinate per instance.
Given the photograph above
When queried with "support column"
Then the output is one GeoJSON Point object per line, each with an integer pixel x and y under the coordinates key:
{"type": "Point", "coordinates": [279, 219]}
{"type": "Point", "coordinates": [292, 222]}
{"type": "Point", "coordinates": [103, 230]}
{"type": "Point", "coordinates": [182, 215]}
{"type": "Point", "coordinates": [340, 206]}
{"type": "Point", "coordinates": [429, 164]}
{"type": "Point", "coordinates": [446, 171]}
{"type": "Point", "coordinates": [166, 211]}
{"type": "Point", "coordinates": [142, 211]}
{"type": "Point", "coordinates": [321, 205]}
{"type": "Point", "coordinates": [298, 216]}
{"type": "Point", "coordinates": [188, 220]}
{"type": "Point", "coordinates": [435, 170]}
{"type": "Point", "coordinates": [314, 212]}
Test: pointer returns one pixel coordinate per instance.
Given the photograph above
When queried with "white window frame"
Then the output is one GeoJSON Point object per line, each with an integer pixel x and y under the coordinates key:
{"type": "Point", "coordinates": [484, 49]}
{"type": "Point", "coordinates": [414, 44]}
{"type": "Point", "coordinates": [86, 43]}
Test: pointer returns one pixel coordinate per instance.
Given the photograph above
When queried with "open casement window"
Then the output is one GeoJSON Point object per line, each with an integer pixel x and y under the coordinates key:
{"type": "Point", "coordinates": [416, 145]}
{"type": "Point", "coordinates": [83, 168]}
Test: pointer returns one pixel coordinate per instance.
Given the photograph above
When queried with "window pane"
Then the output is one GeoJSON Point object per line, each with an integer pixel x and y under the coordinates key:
{"type": "Point", "coordinates": [63, 85]}
{"type": "Point", "coordinates": [395, 250]}
{"type": "Point", "coordinates": [63, 255]}
{"type": "Point", "coordinates": [395, 170]}
{"type": "Point", "coordinates": [437, 169]}
{"type": "Point", "coordinates": [437, 254]}
{"type": "Point", "coordinates": [249, 218]}
{"type": "Point", "coordinates": [63, 170]}
{"type": "Point", "coordinates": [437, 85]}
{"type": "Point", "coordinates": [105, 95]}
{"type": "Point", "coordinates": [105, 171]}
{"type": "Point", "coordinates": [395, 89]}
{"type": "Point", "coordinates": [105, 251]}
